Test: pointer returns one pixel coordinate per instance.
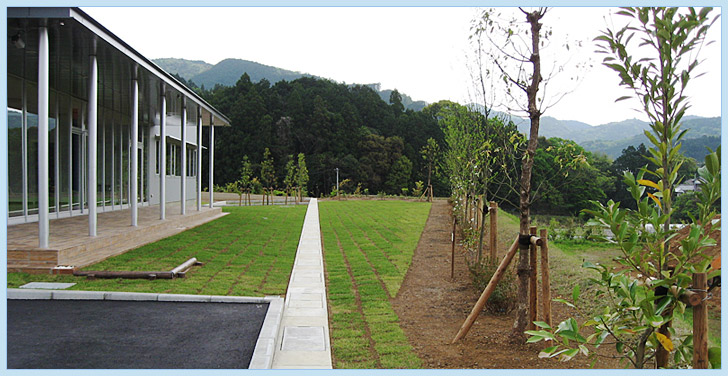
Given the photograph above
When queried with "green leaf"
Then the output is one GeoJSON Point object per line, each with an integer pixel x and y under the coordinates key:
{"type": "Point", "coordinates": [575, 293]}
{"type": "Point", "coordinates": [534, 339]}
{"type": "Point", "coordinates": [542, 324]}
{"type": "Point", "coordinates": [656, 321]}
{"type": "Point", "coordinates": [564, 302]}
{"type": "Point", "coordinates": [584, 350]}
{"type": "Point", "coordinates": [568, 354]}
{"type": "Point", "coordinates": [714, 357]}
{"type": "Point", "coordinates": [546, 353]}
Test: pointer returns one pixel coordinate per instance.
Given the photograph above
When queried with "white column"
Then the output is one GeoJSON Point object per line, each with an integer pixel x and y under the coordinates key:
{"type": "Point", "coordinates": [43, 92]}
{"type": "Point", "coordinates": [92, 142]}
{"type": "Point", "coordinates": [162, 151]}
{"type": "Point", "coordinates": [212, 157]}
{"type": "Point", "coordinates": [199, 159]}
{"type": "Point", "coordinates": [183, 158]}
{"type": "Point", "coordinates": [134, 147]}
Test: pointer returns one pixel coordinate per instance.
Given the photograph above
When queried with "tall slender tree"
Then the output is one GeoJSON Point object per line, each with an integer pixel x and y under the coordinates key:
{"type": "Point", "coordinates": [290, 180]}
{"type": "Point", "coordinates": [515, 50]}
{"type": "Point", "coordinates": [301, 175]}
{"type": "Point", "coordinates": [268, 174]}
{"type": "Point", "coordinates": [246, 177]}
{"type": "Point", "coordinates": [430, 153]}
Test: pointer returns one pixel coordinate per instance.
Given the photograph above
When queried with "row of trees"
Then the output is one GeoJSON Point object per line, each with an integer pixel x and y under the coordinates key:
{"type": "Point", "coordinates": [295, 178]}
{"type": "Point", "coordinates": [484, 156]}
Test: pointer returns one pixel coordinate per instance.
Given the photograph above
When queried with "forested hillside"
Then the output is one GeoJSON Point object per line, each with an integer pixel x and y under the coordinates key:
{"type": "Point", "coordinates": [335, 125]}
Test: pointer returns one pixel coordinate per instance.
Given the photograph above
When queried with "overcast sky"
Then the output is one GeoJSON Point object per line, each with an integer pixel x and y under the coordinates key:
{"type": "Point", "coordinates": [419, 51]}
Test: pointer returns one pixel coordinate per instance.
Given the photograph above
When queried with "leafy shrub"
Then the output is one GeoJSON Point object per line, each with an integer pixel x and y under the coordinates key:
{"type": "Point", "coordinates": [503, 299]}
{"type": "Point", "coordinates": [418, 189]}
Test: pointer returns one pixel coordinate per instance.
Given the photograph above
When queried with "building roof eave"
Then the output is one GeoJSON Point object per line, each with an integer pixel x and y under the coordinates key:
{"type": "Point", "coordinates": [107, 36]}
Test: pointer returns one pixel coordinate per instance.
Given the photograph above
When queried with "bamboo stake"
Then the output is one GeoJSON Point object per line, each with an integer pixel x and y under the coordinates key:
{"type": "Point", "coordinates": [452, 251]}
{"type": "Point", "coordinates": [493, 230]}
{"type": "Point", "coordinates": [533, 281]}
{"type": "Point", "coordinates": [545, 277]}
{"type": "Point", "coordinates": [487, 292]}
{"type": "Point", "coordinates": [700, 323]}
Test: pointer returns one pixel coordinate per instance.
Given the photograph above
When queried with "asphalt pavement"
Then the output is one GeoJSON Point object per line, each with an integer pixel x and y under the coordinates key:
{"type": "Point", "coordinates": [102, 334]}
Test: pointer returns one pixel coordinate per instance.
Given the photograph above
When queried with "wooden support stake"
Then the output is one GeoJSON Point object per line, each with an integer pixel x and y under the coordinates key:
{"type": "Point", "coordinates": [545, 277]}
{"type": "Point", "coordinates": [700, 323]}
{"type": "Point", "coordinates": [479, 212]}
{"type": "Point", "coordinates": [493, 230]}
{"type": "Point", "coordinates": [487, 292]}
{"type": "Point", "coordinates": [533, 280]}
{"type": "Point", "coordinates": [452, 251]}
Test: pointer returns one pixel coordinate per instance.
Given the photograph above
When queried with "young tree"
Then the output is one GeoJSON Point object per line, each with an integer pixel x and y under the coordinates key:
{"type": "Point", "coordinates": [246, 175]}
{"type": "Point", "coordinates": [267, 174]}
{"type": "Point", "coordinates": [430, 153]}
{"type": "Point", "coordinates": [640, 309]}
{"type": "Point", "coordinates": [511, 57]}
{"type": "Point", "coordinates": [290, 178]}
{"type": "Point", "coordinates": [301, 175]}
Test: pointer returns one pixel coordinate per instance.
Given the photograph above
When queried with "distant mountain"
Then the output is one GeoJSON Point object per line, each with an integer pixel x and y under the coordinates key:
{"type": "Point", "coordinates": [583, 132]}
{"type": "Point", "coordinates": [407, 101]}
{"type": "Point", "coordinates": [612, 138]}
{"type": "Point", "coordinates": [185, 68]}
{"type": "Point", "coordinates": [702, 132]}
{"type": "Point", "coordinates": [227, 72]}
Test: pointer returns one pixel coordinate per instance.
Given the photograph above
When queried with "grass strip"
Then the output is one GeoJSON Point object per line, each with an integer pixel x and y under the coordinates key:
{"type": "Point", "coordinates": [368, 247]}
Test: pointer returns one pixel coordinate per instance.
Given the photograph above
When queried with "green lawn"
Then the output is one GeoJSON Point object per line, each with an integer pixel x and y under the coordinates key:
{"type": "Point", "coordinates": [368, 247]}
{"type": "Point", "coordinates": [249, 252]}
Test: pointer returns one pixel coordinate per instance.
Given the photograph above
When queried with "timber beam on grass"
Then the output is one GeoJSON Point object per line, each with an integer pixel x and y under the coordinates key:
{"type": "Point", "coordinates": [178, 272]}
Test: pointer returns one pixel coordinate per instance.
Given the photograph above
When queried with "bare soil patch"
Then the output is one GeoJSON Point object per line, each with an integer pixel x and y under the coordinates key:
{"type": "Point", "coordinates": [431, 308]}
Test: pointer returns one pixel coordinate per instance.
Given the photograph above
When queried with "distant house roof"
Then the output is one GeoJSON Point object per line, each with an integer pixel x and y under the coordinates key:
{"type": "Point", "coordinates": [688, 186]}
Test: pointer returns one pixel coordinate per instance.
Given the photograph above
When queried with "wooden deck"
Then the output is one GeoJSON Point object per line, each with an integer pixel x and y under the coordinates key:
{"type": "Point", "coordinates": [70, 245]}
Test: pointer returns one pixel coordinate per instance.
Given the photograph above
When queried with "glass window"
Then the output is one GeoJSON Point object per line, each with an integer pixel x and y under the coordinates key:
{"type": "Point", "coordinates": [31, 95]}
{"type": "Point", "coordinates": [108, 155]}
{"type": "Point", "coordinates": [159, 153]}
{"type": "Point", "coordinates": [64, 140]}
{"type": "Point", "coordinates": [125, 162]}
{"type": "Point", "coordinates": [15, 146]}
{"type": "Point", "coordinates": [168, 161]}
{"type": "Point", "coordinates": [52, 131]}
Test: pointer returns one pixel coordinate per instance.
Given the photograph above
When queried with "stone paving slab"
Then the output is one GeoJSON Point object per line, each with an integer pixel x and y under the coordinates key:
{"type": "Point", "coordinates": [303, 338]}
{"type": "Point", "coordinates": [47, 285]}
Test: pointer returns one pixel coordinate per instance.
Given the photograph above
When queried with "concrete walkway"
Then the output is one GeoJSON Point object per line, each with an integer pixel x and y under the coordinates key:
{"type": "Point", "coordinates": [303, 339]}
